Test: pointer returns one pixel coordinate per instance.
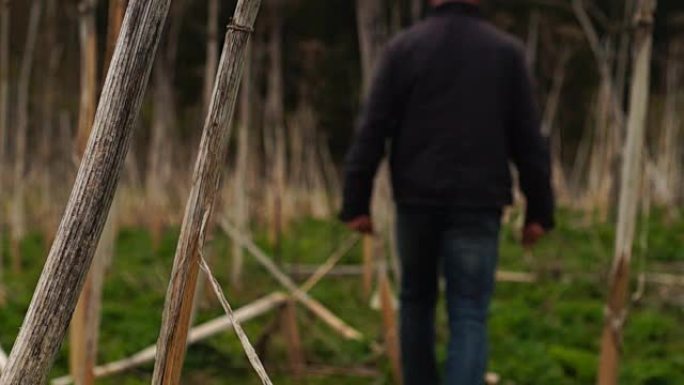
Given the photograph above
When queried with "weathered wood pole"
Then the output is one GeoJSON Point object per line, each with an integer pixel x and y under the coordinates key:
{"type": "Point", "coordinates": [206, 180]}
{"type": "Point", "coordinates": [72, 251]}
{"type": "Point", "coordinates": [629, 195]}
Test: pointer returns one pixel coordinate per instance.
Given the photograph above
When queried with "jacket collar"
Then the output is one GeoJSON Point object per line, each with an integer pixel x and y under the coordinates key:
{"type": "Point", "coordinates": [456, 7]}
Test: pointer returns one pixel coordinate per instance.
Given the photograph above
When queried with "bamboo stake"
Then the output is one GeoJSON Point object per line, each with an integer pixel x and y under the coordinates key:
{"type": "Point", "coordinates": [72, 251]}
{"type": "Point", "coordinates": [207, 178]}
{"type": "Point", "coordinates": [314, 306]}
{"type": "Point", "coordinates": [631, 179]}
{"type": "Point", "coordinates": [198, 333]}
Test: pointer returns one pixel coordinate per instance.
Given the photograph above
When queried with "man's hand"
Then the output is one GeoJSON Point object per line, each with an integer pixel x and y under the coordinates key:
{"type": "Point", "coordinates": [361, 224]}
{"type": "Point", "coordinates": [531, 234]}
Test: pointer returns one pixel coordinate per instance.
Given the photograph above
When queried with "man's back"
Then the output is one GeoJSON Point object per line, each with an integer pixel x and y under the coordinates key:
{"type": "Point", "coordinates": [453, 96]}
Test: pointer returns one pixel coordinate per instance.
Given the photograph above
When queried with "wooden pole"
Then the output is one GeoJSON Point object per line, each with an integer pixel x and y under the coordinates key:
{"type": "Point", "coordinates": [207, 177]}
{"type": "Point", "coordinates": [632, 167]}
{"type": "Point", "coordinates": [72, 251]}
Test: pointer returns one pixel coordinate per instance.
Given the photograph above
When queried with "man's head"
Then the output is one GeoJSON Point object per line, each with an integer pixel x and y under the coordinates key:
{"type": "Point", "coordinates": [436, 3]}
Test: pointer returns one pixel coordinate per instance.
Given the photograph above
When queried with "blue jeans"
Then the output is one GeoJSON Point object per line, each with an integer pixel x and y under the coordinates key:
{"type": "Point", "coordinates": [463, 243]}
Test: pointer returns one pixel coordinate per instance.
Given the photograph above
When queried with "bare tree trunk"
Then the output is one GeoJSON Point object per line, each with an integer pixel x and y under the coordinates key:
{"type": "Point", "coordinates": [207, 178]}
{"type": "Point", "coordinates": [159, 153]}
{"type": "Point", "coordinates": [372, 34]}
{"type": "Point", "coordinates": [159, 168]}
{"type": "Point", "coordinates": [241, 167]}
{"type": "Point", "coordinates": [275, 124]}
{"type": "Point", "coordinates": [212, 51]}
{"type": "Point", "coordinates": [53, 53]}
{"type": "Point", "coordinates": [18, 217]}
{"type": "Point", "coordinates": [668, 158]}
{"type": "Point", "coordinates": [85, 321]}
{"type": "Point", "coordinates": [549, 120]}
{"type": "Point", "coordinates": [4, 120]}
{"type": "Point", "coordinates": [629, 195]}
{"type": "Point", "coordinates": [614, 118]}
{"type": "Point", "coordinates": [623, 52]}
{"type": "Point", "coordinates": [71, 254]}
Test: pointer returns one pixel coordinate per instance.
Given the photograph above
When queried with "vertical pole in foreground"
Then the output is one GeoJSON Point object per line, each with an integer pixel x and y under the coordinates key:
{"type": "Point", "coordinates": [631, 177]}
{"type": "Point", "coordinates": [206, 180]}
{"type": "Point", "coordinates": [72, 251]}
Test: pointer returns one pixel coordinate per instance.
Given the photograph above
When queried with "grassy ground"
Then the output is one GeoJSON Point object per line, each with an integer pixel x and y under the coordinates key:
{"type": "Point", "coordinates": [543, 333]}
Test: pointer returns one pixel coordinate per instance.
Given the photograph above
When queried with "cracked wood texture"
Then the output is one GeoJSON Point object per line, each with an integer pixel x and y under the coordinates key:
{"type": "Point", "coordinates": [72, 251]}
{"type": "Point", "coordinates": [206, 180]}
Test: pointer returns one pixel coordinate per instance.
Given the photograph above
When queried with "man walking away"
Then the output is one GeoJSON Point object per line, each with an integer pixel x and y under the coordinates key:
{"type": "Point", "coordinates": [453, 97]}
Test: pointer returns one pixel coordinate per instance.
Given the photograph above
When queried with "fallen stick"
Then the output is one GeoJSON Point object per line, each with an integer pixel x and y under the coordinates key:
{"type": "Point", "coordinates": [665, 279]}
{"type": "Point", "coordinates": [213, 327]}
{"type": "Point", "coordinates": [515, 277]}
{"type": "Point", "coordinates": [354, 270]}
{"type": "Point", "coordinates": [314, 306]}
{"type": "Point", "coordinates": [242, 336]}
{"type": "Point", "coordinates": [327, 267]}
{"type": "Point", "coordinates": [198, 333]}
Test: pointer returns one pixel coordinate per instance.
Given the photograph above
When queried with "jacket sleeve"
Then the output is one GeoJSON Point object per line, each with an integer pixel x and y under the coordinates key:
{"type": "Point", "coordinates": [375, 127]}
{"type": "Point", "coordinates": [529, 149]}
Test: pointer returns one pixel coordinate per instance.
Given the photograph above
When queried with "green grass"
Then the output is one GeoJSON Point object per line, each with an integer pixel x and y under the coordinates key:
{"type": "Point", "coordinates": [542, 333]}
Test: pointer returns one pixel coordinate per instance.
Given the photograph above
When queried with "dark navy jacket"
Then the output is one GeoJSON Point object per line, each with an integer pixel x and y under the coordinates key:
{"type": "Point", "coordinates": [454, 98]}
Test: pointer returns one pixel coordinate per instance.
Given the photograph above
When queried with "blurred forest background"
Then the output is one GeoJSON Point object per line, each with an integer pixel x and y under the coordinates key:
{"type": "Point", "coordinates": [303, 86]}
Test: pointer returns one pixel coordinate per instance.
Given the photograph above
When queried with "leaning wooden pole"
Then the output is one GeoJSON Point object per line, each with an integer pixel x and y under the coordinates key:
{"type": "Point", "coordinates": [72, 251]}
{"type": "Point", "coordinates": [629, 191]}
{"type": "Point", "coordinates": [206, 181]}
